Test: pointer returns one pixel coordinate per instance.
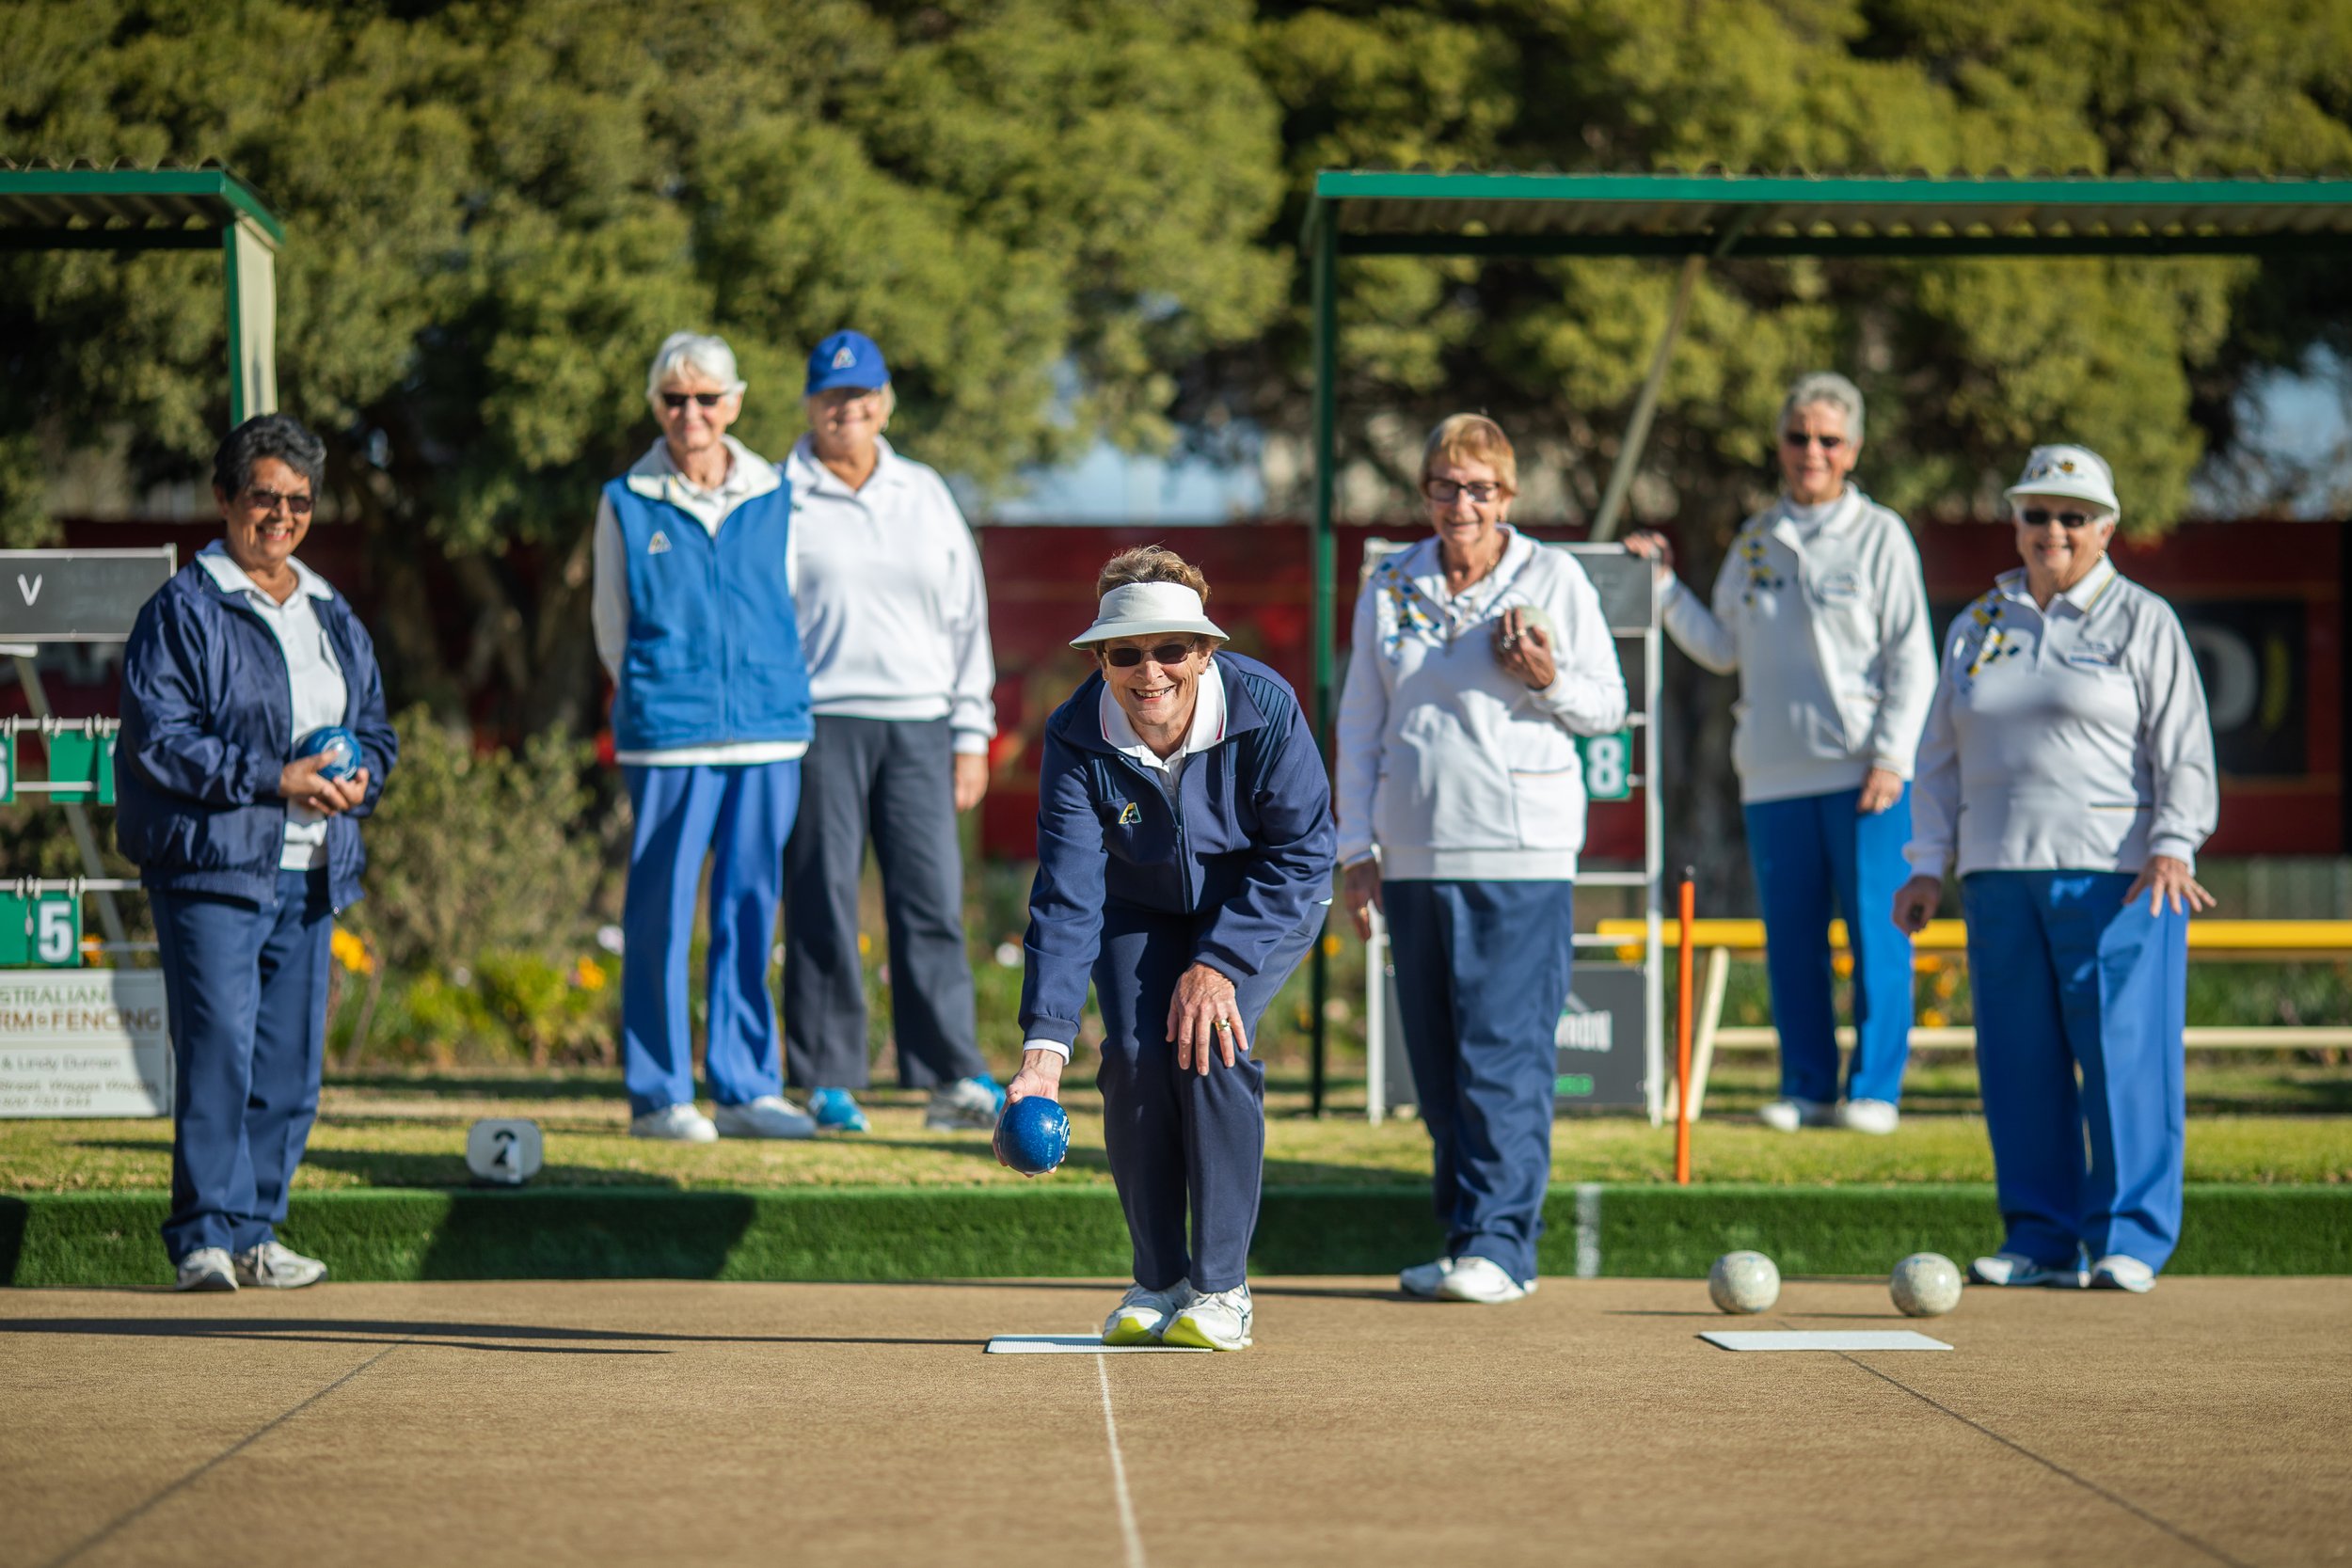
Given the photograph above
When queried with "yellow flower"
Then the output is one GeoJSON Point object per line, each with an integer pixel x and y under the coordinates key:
{"type": "Point", "coordinates": [1842, 963]}
{"type": "Point", "coordinates": [351, 952]}
{"type": "Point", "coordinates": [588, 974]}
{"type": "Point", "coordinates": [1926, 963]}
{"type": "Point", "coordinates": [1932, 1018]}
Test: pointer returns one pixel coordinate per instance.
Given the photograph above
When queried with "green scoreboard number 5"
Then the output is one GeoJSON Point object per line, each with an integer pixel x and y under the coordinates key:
{"type": "Point", "coordinates": [45, 929]}
{"type": "Point", "coordinates": [1607, 765]}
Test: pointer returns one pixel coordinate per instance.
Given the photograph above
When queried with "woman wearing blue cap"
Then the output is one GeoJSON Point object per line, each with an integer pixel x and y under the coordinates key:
{"type": "Point", "coordinates": [1183, 842]}
{"type": "Point", "coordinates": [2068, 770]}
{"type": "Point", "coordinates": [894, 622]}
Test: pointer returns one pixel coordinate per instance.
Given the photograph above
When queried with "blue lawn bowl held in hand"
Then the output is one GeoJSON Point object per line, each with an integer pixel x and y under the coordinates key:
{"type": "Point", "coordinates": [338, 745]}
{"type": "Point", "coordinates": [1032, 1135]}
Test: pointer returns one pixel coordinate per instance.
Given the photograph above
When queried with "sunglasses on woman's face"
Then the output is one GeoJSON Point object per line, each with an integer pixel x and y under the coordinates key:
{"type": "Point", "coordinates": [1800, 438]}
{"type": "Point", "coordinates": [1445, 492]}
{"type": "Point", "coordinates": [2038, 517]}
{"type": "Point", "coordinates": [675, 401]}
{"type": "Point", "coordinates": [267, 501]}
{"type": "Point", "coordinates": [1166, 654]}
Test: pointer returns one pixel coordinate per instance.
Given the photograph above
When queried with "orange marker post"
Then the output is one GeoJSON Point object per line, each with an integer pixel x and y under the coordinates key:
{"type": "Point", "coordinates": [1682, 1033]}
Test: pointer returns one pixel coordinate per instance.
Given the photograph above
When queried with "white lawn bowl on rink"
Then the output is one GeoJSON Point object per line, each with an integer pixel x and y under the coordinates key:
{"type": "Point", "coordinates": [1925, 1285]}
{"type": "Point", "coordinates": [1743, 1282]}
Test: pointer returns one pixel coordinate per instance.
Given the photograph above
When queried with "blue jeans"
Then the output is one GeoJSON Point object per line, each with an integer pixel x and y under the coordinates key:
{"type": "Point", "coordinates": [2067, 977]}
{"type": "Point", "coordinates": [1805, 849]}
{"type": "Point", "coordinates": [745, 814]}
{"type": "Point", "coordinates": [1482, 973]}
{"type": "Point", "coordinates": [246, 988]}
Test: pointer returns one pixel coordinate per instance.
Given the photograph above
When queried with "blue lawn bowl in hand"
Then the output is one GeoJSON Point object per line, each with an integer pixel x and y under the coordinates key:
{"type": "Point", "coordinates": [337, 745]}
{"type": "Point", "coordinates": [1032, 1135]}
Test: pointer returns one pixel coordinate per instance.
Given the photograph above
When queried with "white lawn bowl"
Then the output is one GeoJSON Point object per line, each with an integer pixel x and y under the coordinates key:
{"type": "Point", "coordinates": [1742, 1282]}
{"type": "Point", "coordinates": [1925, 1285]}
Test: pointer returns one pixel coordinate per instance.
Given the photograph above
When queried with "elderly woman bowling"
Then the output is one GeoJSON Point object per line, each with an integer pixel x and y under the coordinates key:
{"type": "Point", "coordinates": [1478, 654]}
{"type": "Point", "coordinates": [1822, 609]}
{"type": "Point", "coordinates": [1183, 844]}
{"type": "Point", "coordinates": [2068, 771]}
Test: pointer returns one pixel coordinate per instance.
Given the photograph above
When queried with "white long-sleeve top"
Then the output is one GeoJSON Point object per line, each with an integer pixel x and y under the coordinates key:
{"type": "Point", "coordinates": [2072, 740]}
{"type": "Point", "coordinates": [1823, 612]}
{"type": "Point", "coordinates": [656, 476]}
{"type": "Point", "coordinates": [894, 613]}
{"type": "Point", "coordinates": [1448, 766]}
{"type": "Point", "coordinates": [313, 676]}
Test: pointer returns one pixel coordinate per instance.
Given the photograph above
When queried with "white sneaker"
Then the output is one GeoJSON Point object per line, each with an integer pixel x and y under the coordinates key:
{"type": "Point", "coordinates": [274, 1266]}
{"type": "Point", "coordinates": [1481, 1281]}
{"type": "Point", "coordinates": [1141, 1313]}
{"type": "Point", "coordinates": [2119, 1272]}
{"type": "Point", "coordinates": [1216, 1320]}
{"type": "Point", "coordinates": [680, 1123]}
{"type": "Point", "coordinates": [1876, 1117]}
{"type": "Point", "coordinates": [1422, 1279]}
{"type": "Point", "coordinates": [771, 1116]}
{"type": "Point", "coordinates": [1787, 1115]}
{"type": "Point", "coordinates": [968, 1104]}
{"type": "Point", "coordinates": [2016, 1271]}
{"type": "Point", "coordinates": [206, 1269]}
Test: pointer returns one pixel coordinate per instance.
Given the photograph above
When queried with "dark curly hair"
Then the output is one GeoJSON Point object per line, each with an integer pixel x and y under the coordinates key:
{"type": "Point", "coordinates": [279, 435]}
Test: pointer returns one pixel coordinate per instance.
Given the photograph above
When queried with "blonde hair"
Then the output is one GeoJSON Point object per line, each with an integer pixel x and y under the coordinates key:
{"type": "Point", "coordinates": [1472, 438]}
{"type": "Point", "coordinates": [1150, 563]}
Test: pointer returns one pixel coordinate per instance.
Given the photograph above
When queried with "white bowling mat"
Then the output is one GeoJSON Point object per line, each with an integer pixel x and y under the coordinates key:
{"type": "Point", "coordinates": [1080, 1344]}
{"type": "Point", "coordinates": [1806, 1339]}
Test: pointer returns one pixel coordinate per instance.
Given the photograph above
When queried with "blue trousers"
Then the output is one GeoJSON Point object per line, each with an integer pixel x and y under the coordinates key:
{"type": "Point", "coordinates": [1482, 973]}
{"type": "Point", "coordinates": [247, 988]}
{"type": "Point", "coordinates": [1177, 1138]}
{"type": "Point", "coordinates": [2068, 978]}
{"type": "Point", "coordinates": [1804, 850]}
{"type": "Point", "coordinates": [743, 814]}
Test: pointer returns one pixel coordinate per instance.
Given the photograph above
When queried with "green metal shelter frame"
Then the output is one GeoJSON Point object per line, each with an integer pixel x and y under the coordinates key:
{"type": "Point", "coordinates": [162, 208]}
{"type": "Point", "coordinates": [1699, 217]}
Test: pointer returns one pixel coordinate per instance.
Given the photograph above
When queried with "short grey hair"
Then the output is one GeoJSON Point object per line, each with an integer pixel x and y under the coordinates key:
{"type": "Point", "coordinates": [1830, 388]}
{"type": "Point", "coordinates": [696, 351]}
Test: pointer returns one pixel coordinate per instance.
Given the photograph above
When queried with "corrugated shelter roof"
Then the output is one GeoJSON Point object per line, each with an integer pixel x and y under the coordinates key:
{"type": "Point", "coordinates": [86, 207]}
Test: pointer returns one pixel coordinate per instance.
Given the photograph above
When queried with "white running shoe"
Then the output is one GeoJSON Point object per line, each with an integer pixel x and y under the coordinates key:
{"type": "Point", "coordinates": [1481, 1281]}
{"type": "Point", "coordinates": [1217, 1319]}
{"type": "Point", "coordinates": [1787, 1115]}
{"type": "Point", "coordinates": [1141, 1313]}
{"type": "Point", "coordinates": [680, 1123]}
{"type": "Point", "coordinates": [1875, 1117]}
{"type": "Point", "coordinates": [2118, 1272]}
{"type": "Point", "coordinates": [966, 1105]}
{"type": "Point", "coordinates": [771, 1116]}
{"type": "Point", "coordinates": [274, 1266]}
{"type": "Point", "coordinates": [207, 1268]}
{"type": "Point", "coordinates": [2017, 1270]}
{"type": "Point", "coordinates": [1422, 1279]}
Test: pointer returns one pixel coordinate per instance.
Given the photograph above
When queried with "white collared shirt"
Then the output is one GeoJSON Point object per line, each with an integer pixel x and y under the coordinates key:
{"type": "Point", "coordinates": [656, 476]}
{"type": "Point", "coordinates": [313, 673]}
{"type": "Point", "coordinates": [2071, 739]}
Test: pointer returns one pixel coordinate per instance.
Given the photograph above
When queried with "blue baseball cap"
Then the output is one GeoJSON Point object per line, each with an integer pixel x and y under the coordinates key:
{"type": "Point", "coordinates": [845, 360]}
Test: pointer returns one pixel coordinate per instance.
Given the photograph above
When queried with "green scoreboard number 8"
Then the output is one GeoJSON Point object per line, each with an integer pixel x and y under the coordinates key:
{"type": "Point", "coordinates": [1607, 765]}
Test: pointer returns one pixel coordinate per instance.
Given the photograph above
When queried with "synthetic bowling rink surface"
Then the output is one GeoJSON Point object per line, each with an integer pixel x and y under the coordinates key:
{"type": "Point", "coordinates": [671, 1422]}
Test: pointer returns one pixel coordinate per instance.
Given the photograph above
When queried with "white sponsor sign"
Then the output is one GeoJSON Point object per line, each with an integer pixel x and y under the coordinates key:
{"type": "Point", "coordinates": [85, 1042]}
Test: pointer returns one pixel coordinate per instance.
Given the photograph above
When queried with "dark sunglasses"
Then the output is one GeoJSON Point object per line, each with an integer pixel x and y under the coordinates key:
{"type": "Point", "coordinates": [270, 501]}
{"type": "Point", "coordinates": [1166, 654]}
{"type": "Point", "coordinates": [2039, 516]}
{"type": "Point", "coordinates": [675, 401]}
{"type": "Point", "coordinates": [1827, 443]}
{"type": "Point", "coordinates": [1445, 492]}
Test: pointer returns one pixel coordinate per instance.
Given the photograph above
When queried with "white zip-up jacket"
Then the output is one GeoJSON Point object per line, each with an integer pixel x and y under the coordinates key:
{"type": "Point", "coordinates": [1448, 766]}
{"type": "Point", "coordinates": [1828, 630]}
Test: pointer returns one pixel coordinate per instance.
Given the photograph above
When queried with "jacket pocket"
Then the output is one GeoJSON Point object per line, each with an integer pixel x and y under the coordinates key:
{"type": "Point", "coordinates": [1550, 808]}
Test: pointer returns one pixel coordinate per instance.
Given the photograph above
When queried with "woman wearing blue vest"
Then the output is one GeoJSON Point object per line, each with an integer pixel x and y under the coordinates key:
{"type": "Point", "coordinates": [1183, 844]}
{"type": "Point", "coordinates": [692, 607]}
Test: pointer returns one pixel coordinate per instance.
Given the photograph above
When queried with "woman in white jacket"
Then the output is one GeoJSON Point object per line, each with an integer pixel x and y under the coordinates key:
{"type": "Point", "coordinates": [1821, 610]}
{"type": "Point", "coordinates": [1477, 653]}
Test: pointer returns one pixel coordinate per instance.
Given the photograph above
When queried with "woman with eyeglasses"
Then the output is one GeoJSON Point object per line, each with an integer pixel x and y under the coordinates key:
{"type": "Point", "coordinates": [693, 620]}
{"type": "Point", "coordinates": [1822, 609]}
{"type": "Point", "coordinates": [248, 843]}
{"type": "Point", "coordinates": [893, 616]}
{"type": "Point", "coordinates": [2068, 771]}
{"type": "Point", "coordinates": [1478, 654]}
{"type": "Point", "coordinates": [1183, 845]}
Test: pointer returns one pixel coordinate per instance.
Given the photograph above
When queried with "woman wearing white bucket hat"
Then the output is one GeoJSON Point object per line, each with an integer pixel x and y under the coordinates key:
{"type": "Point", "coordinates": [1183, 845]}
{"type": "Point", "coordinates": [2068, 770]}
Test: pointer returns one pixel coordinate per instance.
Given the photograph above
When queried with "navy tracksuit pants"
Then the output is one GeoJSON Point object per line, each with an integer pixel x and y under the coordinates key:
{"type": "Point", "coordinates": [2069, 978]}
{"type": "Point", "coordinates": [1178, 1138]}
{"type": "Point", "coordinates": [247, 988]}
{"type": "Point", "coordinates": [1482, 973]}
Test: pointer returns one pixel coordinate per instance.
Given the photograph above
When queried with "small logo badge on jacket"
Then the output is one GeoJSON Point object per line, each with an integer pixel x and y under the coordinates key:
{"type": "Point", "coordinates": [1128, 814]}
{"type": "Point", "coordinates": [659, 544]}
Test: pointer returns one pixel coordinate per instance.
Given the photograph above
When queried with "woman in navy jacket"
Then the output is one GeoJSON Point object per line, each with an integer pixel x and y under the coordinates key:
{"type": "Point", "coordinates": [1184, 845]}
{"type": "Point", "coordinates": [245, 849]}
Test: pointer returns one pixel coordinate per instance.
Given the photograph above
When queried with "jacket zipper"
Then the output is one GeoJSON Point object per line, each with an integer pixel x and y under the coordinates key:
{"type": "Point", "coordinates": [1176, 811]}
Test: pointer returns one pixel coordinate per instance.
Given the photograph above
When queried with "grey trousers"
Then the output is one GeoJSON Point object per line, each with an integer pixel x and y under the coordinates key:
{"type": "Point", "coordinates": [896, 780]}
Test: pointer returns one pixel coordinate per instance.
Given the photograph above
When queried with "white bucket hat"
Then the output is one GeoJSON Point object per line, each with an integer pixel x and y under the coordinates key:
{"type": "Point", "coordinates": [2077, 472]}
{"type": "Point", "coordinates": [1140, 608]}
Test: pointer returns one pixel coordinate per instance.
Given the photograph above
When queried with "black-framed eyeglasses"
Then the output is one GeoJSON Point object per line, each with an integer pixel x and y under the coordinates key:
{"type": "Point", "coordinates": [1804, 439]}
{"type": "Point", "coordinates": [2041, 516]}
{"type": "Point", "coordinates": [675, 401]}
{"type": "Point", "coordinates": [270, 501]}
{"type": "Point", "coordinates": [1445, 492]}
{"type": "Point", "coordinates": [1165, 654]}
